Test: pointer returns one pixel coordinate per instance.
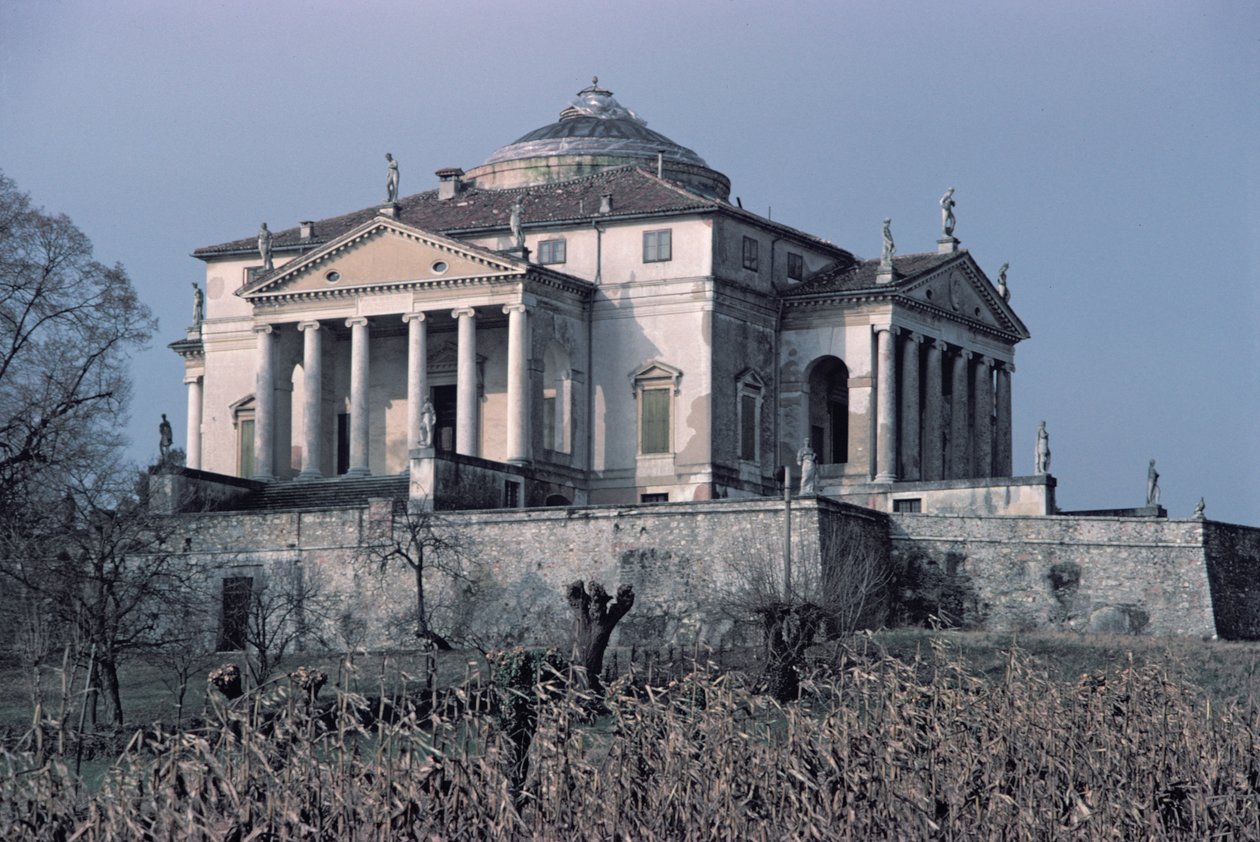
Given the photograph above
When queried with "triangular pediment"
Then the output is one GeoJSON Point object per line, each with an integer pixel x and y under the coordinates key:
{"type": "Point", "coordinates": [383, 254]}
{"type": "Point", "coordinates": [959, 290]}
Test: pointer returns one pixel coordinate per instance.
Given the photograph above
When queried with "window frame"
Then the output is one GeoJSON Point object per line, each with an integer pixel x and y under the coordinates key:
{"type": "Point", "coordinates": [552, 252]}
{"type": "Point", "coordinates": [751, 251]}
{"type": "Point", "coordinates": [661, 249]}
{"type": "Point", "coordinates": [749, 386]}
{"type": "Point", "coordinates": [795, 261]}
{"type": "Point", "coordinates": [655, 376]}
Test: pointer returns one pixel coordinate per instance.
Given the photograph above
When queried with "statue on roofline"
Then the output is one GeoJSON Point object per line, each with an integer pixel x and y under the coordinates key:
{"type": "Point", "coordinates": [391, 179]}
{"type": "Point", "coordinates": [165, 439]}
{"type": "Point", "coordinates": [1152, 485]}
{"type": "Point", "coordinates": [199, 305]}
{"type": "Point", "coordinates": [514, 222]}
{"type": "Point", "coordinates": [947, 213]}
{"type": "Point", "coordinates": [1198, 509]}
{"type": "Point", "coordinates": [264, 247]}
{"type": "Point", "coordinates": [1041, 464]}
{"type": "Point", "coordinates": [885, 260]}
{"type": "Point", "coordinates": [1002, 288]}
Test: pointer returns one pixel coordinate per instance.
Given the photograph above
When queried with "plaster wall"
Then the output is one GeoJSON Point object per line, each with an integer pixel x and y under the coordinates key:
{"type": "Point", "coordinates": [1009, 574]}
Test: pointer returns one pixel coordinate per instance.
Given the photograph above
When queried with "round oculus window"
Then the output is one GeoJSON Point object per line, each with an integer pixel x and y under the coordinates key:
{"type": "Point", "coordinates": [439, 266]}
{"type": "Point", "coordinates": [332, 276]}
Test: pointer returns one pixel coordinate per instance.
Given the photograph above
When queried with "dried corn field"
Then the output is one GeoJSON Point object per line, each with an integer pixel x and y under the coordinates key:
{"type": "Point", "coordinates": [879, 748]}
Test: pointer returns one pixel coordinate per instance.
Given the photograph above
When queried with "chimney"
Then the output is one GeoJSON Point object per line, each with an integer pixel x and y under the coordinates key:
{"type": "Point", "coordinates": [307, 229]}
{"type": "Point", "coordinates": [450, 182]}
{"type": "Point", "coordinates": [605, 203]}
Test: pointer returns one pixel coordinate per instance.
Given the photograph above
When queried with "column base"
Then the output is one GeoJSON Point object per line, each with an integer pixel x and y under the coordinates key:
{"type": "Point", "coordinates": [309, 475]}
{"type": "Point", "coordinates": [885, 477]}
{"type": "Point", "coordinates": [263, 478]}
{"type": "Point", "coordinates": [357, 472]}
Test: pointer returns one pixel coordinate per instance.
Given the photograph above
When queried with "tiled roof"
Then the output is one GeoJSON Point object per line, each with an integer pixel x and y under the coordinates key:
{"type": "Point", "coordinates": [842, 277]}
{"type": "Point", "coordinates": [634, 192]}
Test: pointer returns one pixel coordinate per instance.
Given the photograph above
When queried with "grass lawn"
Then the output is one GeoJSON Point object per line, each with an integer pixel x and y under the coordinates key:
{"type": "Point", "coordinates": [1225, 672]}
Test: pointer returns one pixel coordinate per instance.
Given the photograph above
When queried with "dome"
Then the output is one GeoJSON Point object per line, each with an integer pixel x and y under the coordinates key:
{"type": "Point", "coordinates": [594, 133]}
{"type": "Point", "coordinates": [596, 124]}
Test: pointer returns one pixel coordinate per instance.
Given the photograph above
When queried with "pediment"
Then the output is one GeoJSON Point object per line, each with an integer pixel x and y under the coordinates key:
{"type": "Point", "coordinates": [383, 254]}
{"type": "Point", "coordinates": [960, 291]}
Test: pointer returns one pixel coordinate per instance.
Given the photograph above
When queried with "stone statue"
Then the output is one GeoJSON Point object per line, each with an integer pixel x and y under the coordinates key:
{"type": "Point", "coordinates": [199, 305]}
{"type": "Point", "coordinates": [165, 439]}
{"type": "Point", "coordinates": [805, 458]}
{"type": "Point", "coordinates": [1003, 289]}
{"type": "Point", "coordinates": [264, 247]}
{"type": "Point", "coordinates": [518, 236]}
{"type": "Point", "coordinates": [1152, 485]}
{"type": "Point", "coordinates": [947, 213]}
{"type": "Point", "coordinates": [428, 418]}
{"type": "Point", "coordinates": [885, 261]}
{"type": "Point", "coordinates": [1041, 464]}
{"type": "Point", "coordinates": [391, 179]}
{"type": "Point", "coordinates": [1198, 509]}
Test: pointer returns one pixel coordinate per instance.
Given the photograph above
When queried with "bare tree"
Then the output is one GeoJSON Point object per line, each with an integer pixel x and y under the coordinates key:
{"type": "Point", "coordinates": [101, 564]}
{"type": "Point", "coordinates": [846, 589]}
{"type": "Point", "coordinates": [431, 548]}
{"type": "Point", "coordinates": [68, 326]}
{"type": "Point", "coordinates": [286, 607]}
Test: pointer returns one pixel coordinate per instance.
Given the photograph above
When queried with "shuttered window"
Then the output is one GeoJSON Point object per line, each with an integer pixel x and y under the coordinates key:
{"type": "Point", "coordinates": [654, 421]}
{"type": "Point", "coordinates": [748, 427]}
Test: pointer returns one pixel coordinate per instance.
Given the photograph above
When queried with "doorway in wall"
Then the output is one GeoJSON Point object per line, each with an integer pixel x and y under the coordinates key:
{"type": "Point", "coordinates": [444, 408]}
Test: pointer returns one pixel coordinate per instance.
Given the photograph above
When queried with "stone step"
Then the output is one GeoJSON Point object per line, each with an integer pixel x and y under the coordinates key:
{"type": "Point", "coordinates": [324, 493]}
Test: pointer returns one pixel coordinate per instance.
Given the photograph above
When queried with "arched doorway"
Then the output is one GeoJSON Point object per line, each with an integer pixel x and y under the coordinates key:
{"type": "Point", "coordinates": [829, 410]}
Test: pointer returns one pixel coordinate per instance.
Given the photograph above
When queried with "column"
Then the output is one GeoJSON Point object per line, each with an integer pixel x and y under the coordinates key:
{"type": "Point", "coordinates": [911, 465]}
{"type": "Point", "coordinates": [193, 457]}
{"type": "Point", "coordinates": [417, 374]}
{"type": "Point", "coordinates": [517, 385]}
{"type": "Point", "coordinates": [1002, 431]}
{"type": "Point", "coordinates": [265, 405]}
{"type": "Point", "coordinates": [466, 383]}
{"type": "Point", "coordinates": [983, 438]}
{"type": "Point", "coordinates": [312, 402]}
{"type": "Point", "coordinates": [960, 416]}
{"type": "Point", "coordinates": [358, 397]}
{"type": "Point", "coordinates": [934, 414]}
{"type": "Point", "coordinates": [886, 406]}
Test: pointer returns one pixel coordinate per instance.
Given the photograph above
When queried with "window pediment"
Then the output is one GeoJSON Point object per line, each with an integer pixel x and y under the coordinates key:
{"type": "Point", "coordinates": [654, 373]}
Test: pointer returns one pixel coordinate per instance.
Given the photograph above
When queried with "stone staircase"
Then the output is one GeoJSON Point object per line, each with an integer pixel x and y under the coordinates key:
{"type": "Point", "coordinates": [338, 492]}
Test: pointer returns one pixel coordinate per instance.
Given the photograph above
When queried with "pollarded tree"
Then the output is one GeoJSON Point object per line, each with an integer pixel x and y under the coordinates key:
{"type": "Point", "coordinates": [68, 325]}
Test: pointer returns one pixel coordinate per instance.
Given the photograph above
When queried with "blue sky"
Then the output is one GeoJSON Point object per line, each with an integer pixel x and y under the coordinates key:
{"type": "Point", "coordinates": [1109, 152]}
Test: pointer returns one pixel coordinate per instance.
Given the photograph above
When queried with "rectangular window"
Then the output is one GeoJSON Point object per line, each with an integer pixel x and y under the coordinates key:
{"type": "Point", "coordinates": [654, 426]}
{"type": "Point", "coordinates": [748, 428]}
{"type": "Point", "coordinates": [750, 253]}
{"type": "Point", "coordinates": [913, 505]}
{"type": "Point", "coordinates": [245, 458]}
{"type": "Point", "coordinates": [549, 423]}
{"type": "Point", "coordinates": [795, 267]}
{"type": "Point", "coordinates": [551, 251]}
{"type": "Point", "coordinates": [657, 246]}
{"type": "Point", "coordinates": [511, 494]}
{"type": "Point", "coordinates": [234, 621]}
{"type": "Point", "coordinates": [662, 497]}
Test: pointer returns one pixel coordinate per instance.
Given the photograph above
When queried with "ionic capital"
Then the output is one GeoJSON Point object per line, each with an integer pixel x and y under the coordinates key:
{"type": "Point", "coordinates": [308, 326]}
{"type": "Point", "coordinates": [513, 308]}
{"type": "Point", "coordinates": [357, 321]}
{"type": "Point", "coordinates": [459, 312]}
{"type": "Point", "coordinates": [1006, 365]}
{"type": "Point", "coordinates": [413, 317]}
{"type": "Point", "coordinates": [264, 329]}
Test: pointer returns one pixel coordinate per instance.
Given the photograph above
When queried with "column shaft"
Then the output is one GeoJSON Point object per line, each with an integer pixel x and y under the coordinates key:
{"type": "Point", "coordinates": [193, 457]}
{"type": "Point", "coordinates": [886, 406]}
{"type": "Point", "coordinates": [1002, 449]}
{"type": "Point", "coordinates": [517, 384]}
{"type": "Point", "coordinates": [265, 405]}
{"type": "Point", "coordinates": [417, 374]}
{"type": "Point", "coordinates": [960, 417]}
{"type": "Point", "coordinates": [909, 425]}
{"type": "Point", "coordinates": [359, 374]}
{"type": "Point", "coordinates": [933, 414]}
{"type": "Point", "coordinates": [312, 401]}
{"type": "Point", "coordinates": [983, 412]}
{"type": "Point", "coordinates": [466, 383]}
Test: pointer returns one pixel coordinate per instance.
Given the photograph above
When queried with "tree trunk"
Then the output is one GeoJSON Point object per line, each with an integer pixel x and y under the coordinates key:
{"type": "Point", "coordinates": [423, 632]}
{"type": "Point", "coordinates": [109, 684]}
{"type": "Point", "coordinates": [595, 621]}
{"type": "Point", "coordinates": [788, 630]}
